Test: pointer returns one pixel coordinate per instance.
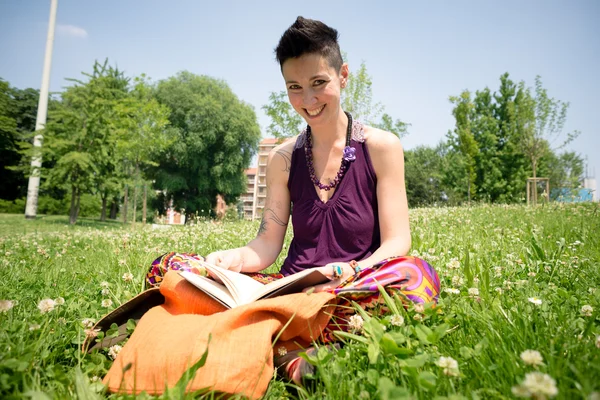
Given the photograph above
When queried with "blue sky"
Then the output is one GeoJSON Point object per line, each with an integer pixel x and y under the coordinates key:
{"type": "Point", "coordinates": [418, 53]}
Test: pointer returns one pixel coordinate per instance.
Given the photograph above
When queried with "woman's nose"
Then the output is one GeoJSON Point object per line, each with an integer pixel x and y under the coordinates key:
{"type": "Point", "coordinates": [309, 98]}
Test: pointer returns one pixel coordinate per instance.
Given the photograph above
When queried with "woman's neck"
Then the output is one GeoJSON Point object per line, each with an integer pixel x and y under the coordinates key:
{"type": "Point", "coordinates": [329, 135]}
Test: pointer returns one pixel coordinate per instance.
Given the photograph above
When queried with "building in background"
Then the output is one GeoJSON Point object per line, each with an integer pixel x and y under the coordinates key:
{"type": "Point", "coordinates": [256, 194]}
{"type": "Point", "coordinates": [248, 197]}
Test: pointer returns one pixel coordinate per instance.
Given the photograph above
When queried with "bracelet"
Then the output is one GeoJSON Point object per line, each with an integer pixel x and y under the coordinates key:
{"type": "Point", "coordinates": [356, 267]}
{"type": "Point", "coordinates": [337, 271]}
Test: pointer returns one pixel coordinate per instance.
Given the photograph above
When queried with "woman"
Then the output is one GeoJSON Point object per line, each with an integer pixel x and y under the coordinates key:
{"type": "Point", "coordinates": [345, 182]}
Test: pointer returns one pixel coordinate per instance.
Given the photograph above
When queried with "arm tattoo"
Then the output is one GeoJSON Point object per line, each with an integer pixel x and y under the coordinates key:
{"type": "Point", "coordinates": [287, 158]}
{"type": "Point", "coordinates": [273, 217]}
{"type": "Point", "coordinates": [263, 227]}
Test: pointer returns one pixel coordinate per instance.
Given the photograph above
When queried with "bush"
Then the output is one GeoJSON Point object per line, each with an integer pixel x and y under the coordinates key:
{"type": "Point", "coordinates": [12, 207]}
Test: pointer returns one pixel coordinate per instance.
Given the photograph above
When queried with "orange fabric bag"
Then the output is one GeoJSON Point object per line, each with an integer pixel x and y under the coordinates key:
{"type": "Point", "coordinates": [173, 336]}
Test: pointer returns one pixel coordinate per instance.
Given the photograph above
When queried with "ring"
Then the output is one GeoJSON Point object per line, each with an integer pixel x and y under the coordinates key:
{"type": "Point", "coordinates": [337, 271]}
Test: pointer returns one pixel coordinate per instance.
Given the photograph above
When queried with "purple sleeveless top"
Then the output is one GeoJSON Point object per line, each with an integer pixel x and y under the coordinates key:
{"type": "Point", "coordinates": [343, 229]}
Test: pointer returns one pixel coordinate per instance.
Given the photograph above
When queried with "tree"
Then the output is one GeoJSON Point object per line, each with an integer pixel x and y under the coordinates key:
{"type": "Point", "coordinates": [541, 123]}
{"type": "Point", "coordinates": [79, 136]}
{"type": "Point", "coordinates": [215, 137]}
{"type": "Point", "coordinates": [462, 138]}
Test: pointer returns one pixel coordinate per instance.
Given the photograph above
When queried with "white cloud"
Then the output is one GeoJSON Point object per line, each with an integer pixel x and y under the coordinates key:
{"type": "Point", "coordinates": [72, 30]}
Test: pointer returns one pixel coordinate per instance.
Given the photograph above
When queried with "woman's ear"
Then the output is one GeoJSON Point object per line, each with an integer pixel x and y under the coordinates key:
{"type": "Point", "coordinates": [344, 72]}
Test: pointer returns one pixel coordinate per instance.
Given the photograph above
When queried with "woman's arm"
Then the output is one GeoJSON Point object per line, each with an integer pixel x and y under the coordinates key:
{"type": "Point", "coordinates": [262, 251]}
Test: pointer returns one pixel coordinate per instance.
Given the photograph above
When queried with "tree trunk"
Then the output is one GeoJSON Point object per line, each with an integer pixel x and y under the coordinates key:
{"type": "Point", "coordinates": [77, 201]}
{"type": "Point", "coordinates": [113, 210]}
{"type": "Point", "coordinates": [72, 214]}
{"type": "Point", "coordinates": [135, 193]}
{"type": "Point", "coordinates": [144, 205]}
{"type": "Point", "coordinates": [535, 189]}
{"type": "Point", "coordinates": [103, 213]}
{"type": "Point", "coordinates": [125, 199]}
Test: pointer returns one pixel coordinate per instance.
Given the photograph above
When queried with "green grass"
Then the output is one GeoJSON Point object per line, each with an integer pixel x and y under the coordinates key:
{"type": "Point", "coordinates": [509, 253]}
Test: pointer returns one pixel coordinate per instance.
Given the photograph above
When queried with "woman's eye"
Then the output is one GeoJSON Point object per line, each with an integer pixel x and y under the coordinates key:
{"type": "Point", "coordinates": [318, 82]}
{"type": "Point", "coordinates": [293, 87]}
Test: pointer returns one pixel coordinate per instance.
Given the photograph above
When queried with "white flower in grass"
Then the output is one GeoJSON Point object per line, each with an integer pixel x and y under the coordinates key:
{"type": "Point", "coordinates": [457, 280]}
{"type": "Point", "coordinates": [536, 385]}
{"type": "Point", "coordinates": [95, 378]}
{"type": "Point", "coordinates": [59, 301]}
{"type": "Point", "coordinates": [453, 264]}
{"type": "Point", "coordinates": [535, 301]}
{"type": "Point", "coordinates": [91, 333]}
{"type": "Point", "coordinates": [499, 290]}
{"type": "Point", "coordinates": [128, 277]}
{"type": "Point", "coordinates": [397, 320]}
{"type": "Point", "coordinates": [122, 262]}
{"type": "Point", "coordinates": [105, 292]}
{"type": "Point", "coordinates": [419, 308]}
{"type": "Point", "coordinates": [356, 322]}
{"type": "Point", "coordinates": [34, 327]}
{"type": "Point", "coordinates": [587, 310]}
{"type": "Point", "coordinates": [87, 323]}
{"type": "Point", "coordinates": [452, 290]}
{"type": "Point", "coordinates": [46, 305]}
{"type": "Point", "coordinates": [282, 351]}
{"type": "Point", "coordinates": [473, 291]}
{"type": "Point", "coordinates": [418, 317]}
{"type": "Point", "coordinates": [6, 305]}
{"type": "Point", "coordinates": [104, 285]}
{"type": "Point", "coordinates": [113, 351]}
{"type": "Point", "coordinates": [598, 341]}
{"type": "Point", "coordinates": [106, 303]}
{"type": "Point", "coordinates": [449, 365]}
{"type": "Point", "coordinates": [532, 357]}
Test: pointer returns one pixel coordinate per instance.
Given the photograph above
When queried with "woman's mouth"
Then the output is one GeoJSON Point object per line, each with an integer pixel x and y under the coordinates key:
{"type": "Point", "coordinates": [316, 112]}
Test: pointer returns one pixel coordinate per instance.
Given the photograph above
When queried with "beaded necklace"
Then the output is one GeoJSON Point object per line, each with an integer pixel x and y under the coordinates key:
{"type": "Point", "coordinates": [347, 157]}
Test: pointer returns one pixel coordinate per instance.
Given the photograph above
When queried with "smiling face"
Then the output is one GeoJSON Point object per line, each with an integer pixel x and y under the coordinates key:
{"type": "Point", "coordinates": [314, 88]}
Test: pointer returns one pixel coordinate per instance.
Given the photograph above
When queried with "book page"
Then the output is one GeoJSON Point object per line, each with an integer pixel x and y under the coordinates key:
{"type": "Point", "coordinates": [241, 287]}
{"type": "Point", "coordinates": [210, 287]}
{"type": "Point", "coordinates": [290, 284]}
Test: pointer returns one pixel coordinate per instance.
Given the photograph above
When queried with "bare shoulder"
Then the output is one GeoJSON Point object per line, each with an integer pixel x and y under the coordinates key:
{"type": "Point", "coordinates": [382, 144]}
{"type": "Point", "coordinates": [280, 157]}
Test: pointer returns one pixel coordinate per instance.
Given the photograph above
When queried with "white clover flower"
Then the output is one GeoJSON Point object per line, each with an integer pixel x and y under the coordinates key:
{"type": "Point", "coordinates": [106, 303]}
{"type": "Point", "coordinates": [419, 308]}
{"type": "Point", "coordinates": [113, 351]}
{"type": "Point", "coordinates": [587, 310]}
{"type": "Point", "coordinates": [499, 290]}
{"type": "Point", "coordinates": [128, 277]}
{"type": "Point", "coordinates": [473, 291]}
{"type": "Point", "coordinates": [46, 305]}
{"type": "Point", "coordinates": [122, 262]}
{"type": "Point", "coordinates": [59, 301]}
{"type": "Point", "coordinates": [95, 378]}
{"type": "Point", "coordinates": [457, 280]}
{"type": "Point", "coordinates": [34, 327]}
{"type": "Point", "coordinates": [282, 351]}
{"type": "Point", "coordinates": [535, 301]}
{"type": "Point", "coordinates": [397, 320]}
{"type": "Point", "coordinates": [418, 317]}
{"type": "Point", "coordinates": [452, 291]}
{"type": "Point", "coordinates": [91, 333]}
{"type": "Point", "coordinates": [598, 341]}
{"type": "Point", "coordinates": [105, 292]}
{"type": "Point", "coordinates": [104, 284]}
{"type": "Point", "coordinates": [6, 305]}
{"type": "Point", "coordinates": [453, 264]}
{"type": "Point", "coordinates": [532, 274]}
{"type": "Point", "coordinates": [87, 323]}
{"type": "Point", "coordinates": [532, 357]}
{"type": "Point", "coordinates": [540, 385]}
{"type": "Point", "coordinates": [449, 365]}
{"type": "Point", "coordinates": [356, 322]}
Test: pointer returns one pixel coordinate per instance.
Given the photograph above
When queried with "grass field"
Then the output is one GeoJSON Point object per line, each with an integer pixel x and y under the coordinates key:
{"type": "Point", "coordinates": [514, 279]}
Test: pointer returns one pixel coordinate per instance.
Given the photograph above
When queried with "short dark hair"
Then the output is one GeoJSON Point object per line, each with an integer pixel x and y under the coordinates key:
{"type": "Point", "coordinates": [306, 36]}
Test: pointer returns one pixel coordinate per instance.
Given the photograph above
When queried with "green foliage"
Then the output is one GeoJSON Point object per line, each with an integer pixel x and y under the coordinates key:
{"type": "Point", "coordinates": [285, 122]}
{"type": "Point", "coordinates": [215, 137]}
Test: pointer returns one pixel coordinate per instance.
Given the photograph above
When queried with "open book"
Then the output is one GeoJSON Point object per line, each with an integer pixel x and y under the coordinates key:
{"type": "Point", "coordinates": [238, 289]}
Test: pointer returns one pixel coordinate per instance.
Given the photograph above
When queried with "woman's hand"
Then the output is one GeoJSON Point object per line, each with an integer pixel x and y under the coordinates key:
{"type": "Point", "coordinates": [226, 259]}
{"type": "Point", "coordinates": [329, 271]}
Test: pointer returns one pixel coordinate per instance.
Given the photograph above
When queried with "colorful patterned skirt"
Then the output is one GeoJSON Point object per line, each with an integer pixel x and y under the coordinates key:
{"type": "Point", "coordinates": [413, 279]}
